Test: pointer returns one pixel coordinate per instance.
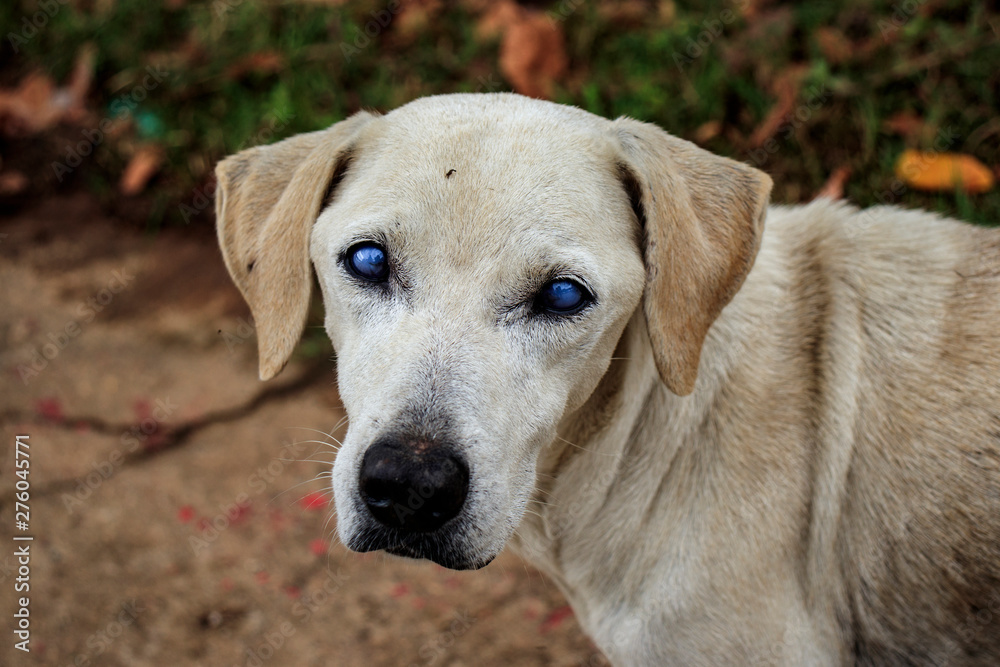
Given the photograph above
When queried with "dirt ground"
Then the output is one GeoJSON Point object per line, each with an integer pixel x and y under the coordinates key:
{"type": "Point", "coordinates": [177, 504]}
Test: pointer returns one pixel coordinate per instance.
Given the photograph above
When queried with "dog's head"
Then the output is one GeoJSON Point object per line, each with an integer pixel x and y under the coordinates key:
{"type": "Point", "coordinates": [479, 257]}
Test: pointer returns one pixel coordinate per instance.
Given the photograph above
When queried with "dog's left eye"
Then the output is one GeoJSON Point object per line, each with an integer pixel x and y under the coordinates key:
{"type": "Point", "coordinates": [368, 261]}
{"type": "Point", "coordinates": [563, 297]}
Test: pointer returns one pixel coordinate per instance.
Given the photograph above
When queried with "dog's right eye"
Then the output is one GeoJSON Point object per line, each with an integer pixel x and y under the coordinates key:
{"type": "Point", "coordinates": [368, 261]}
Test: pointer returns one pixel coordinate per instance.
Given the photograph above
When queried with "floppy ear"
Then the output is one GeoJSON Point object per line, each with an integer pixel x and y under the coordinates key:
{"type": "Point", "coordinates": [267, 200]}
{"type": "Point", "coordinates": [703, 216]}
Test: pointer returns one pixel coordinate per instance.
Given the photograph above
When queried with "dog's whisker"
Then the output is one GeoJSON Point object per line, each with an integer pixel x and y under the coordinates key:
{"type": "Point", "coordinates": [323, 444]}
{"type": "Point", "coordinates": [292, 488]}
{"type": "Point", "coordinates": [330, 434]}
{"type": "Point", "coordinates": [324, 451]}
{"type": "Point", "coordinates": [591, 451]}
{"type": "Point", "coordinates": [314, 430]}
{"type": "Point", "coordinates": [326, 524]}
{"type": "Point", "coordinates": [530, 511]}
{"type": "Point", "coordinates": [334, 447]}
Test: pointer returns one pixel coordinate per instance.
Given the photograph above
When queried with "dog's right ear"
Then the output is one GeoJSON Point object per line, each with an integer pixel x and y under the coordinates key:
{"type": "Point", "coordinates": [267, 200]}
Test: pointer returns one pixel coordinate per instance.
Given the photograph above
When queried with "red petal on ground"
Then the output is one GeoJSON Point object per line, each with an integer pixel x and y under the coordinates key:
{"type": "Point", "coordinates": [238, 514]}
{"type": "Point", "coordinates": [555, 618]}
{"type": "Point", "coordinates": [278, 520]}
{"type": "Point", "coordinates": [156, 440]}
{"type": "Point", "coordinates": [319, 547]}
{"type": "Point", "coordinates": [399, 590]}
{"type": "Point", "coordinates": [314, 501]}
{"type": "Point", "coordinates": [185, 514]}
{"type": "Point", "coordinates": [293, 592]}
{"type": "Point", "coordinates": [142, 409]}
{"type": "Point", "coordinates": [50, 408]}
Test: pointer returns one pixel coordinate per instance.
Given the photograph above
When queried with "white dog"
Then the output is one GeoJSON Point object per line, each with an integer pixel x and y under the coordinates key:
{"type": "Point", "coordinates": [732, 434]}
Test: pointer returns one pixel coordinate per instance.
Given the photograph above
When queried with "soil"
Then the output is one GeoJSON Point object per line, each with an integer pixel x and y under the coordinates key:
{"type": "Point", "coordinates": [178, 506]}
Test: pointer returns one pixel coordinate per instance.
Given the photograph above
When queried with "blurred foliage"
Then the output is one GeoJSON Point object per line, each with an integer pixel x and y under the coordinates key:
{"type": "Point", "coordinates": [239, 73]}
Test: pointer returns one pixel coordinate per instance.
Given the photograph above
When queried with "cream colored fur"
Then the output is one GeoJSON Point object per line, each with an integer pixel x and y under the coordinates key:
{"type": "Point", "coordinates": [768, 442]}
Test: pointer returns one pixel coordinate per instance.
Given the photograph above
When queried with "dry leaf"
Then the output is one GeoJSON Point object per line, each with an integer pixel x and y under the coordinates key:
{"type": "Point", "coordinates": [834, 45]}
{"type": "Point", "coordinates": [834, 186]}
{"type": "Point", "coordinates": [37, 104]}
{"type": "Point", "coordinates": [415, 17]}
{"type": "Point", "coordinates": [532, 52]}
{"type": "Point", "coordinates": [905, 123]}
{"type": "Point", "coordinates": [943, 171]}
{"type": "Point", "coordinates": [12, 182]}
{"type": "Point", "coordinates": [786, 87]}
{"type": "Point", "coordinates": [497, 19]}
{"type": "Point", "coordinates": [265, 62]}
{"type": "Point", "coordinates": [667, 11]}
{"type": "Point", "coordinates": [626, 13]}
{"type": "Point", "coordinates": [143, 165]}
{"type": "Point", "coordinates": [707, 131]}
{"type": "Point", "coordinates": [751, 9]}
{"type": "Point", "coordinates": [30, 106]}
{"type": "Point", "coordinates": [80, 79]}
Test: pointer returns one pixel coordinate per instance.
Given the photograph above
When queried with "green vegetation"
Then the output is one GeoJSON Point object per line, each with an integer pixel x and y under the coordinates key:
{"type": "Point", "coordinates": [240, 73]}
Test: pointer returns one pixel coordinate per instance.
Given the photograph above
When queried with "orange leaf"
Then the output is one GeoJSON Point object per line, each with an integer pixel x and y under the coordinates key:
{"type": "Point", "coordinates": [143, 165]}
{"type": "Point", "coordinates": [533, 54]}
{"type": "Point", "coordinates": [834, 186]}
{"type": "Point", "coordinates": [943, 171]}
{"type": "Point", "coordinates": [532, 49]}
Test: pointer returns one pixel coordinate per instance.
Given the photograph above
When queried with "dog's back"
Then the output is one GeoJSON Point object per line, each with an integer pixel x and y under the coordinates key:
{"type": "Point", "coordinates": [904, 311]}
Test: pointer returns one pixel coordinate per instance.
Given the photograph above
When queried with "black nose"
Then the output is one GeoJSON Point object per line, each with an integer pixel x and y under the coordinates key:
{"type": "Point", "coordinates": [413, 487]}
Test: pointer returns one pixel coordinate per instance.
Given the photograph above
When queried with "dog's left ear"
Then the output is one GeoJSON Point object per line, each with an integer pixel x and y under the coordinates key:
{"type": "Point", "coordinates": [703, 216]}
{"type": "Point", "coordinates": [267, 200]}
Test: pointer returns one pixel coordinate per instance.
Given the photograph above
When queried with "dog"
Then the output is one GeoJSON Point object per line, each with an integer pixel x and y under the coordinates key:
{"type": "Point", "coordinates": [732, 433]}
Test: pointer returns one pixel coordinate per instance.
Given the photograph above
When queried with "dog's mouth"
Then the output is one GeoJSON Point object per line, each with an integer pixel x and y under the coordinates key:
{"type": "Point", "coordinates": [439, 548]}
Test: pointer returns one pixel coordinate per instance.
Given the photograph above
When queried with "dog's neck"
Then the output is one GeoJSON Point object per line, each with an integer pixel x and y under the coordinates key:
{"type": "Point", "coordinates": [635, 463]}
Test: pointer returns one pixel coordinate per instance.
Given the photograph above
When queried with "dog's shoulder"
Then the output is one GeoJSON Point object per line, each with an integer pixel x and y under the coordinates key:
{"type": "Point", "coordinates": [906, 304]}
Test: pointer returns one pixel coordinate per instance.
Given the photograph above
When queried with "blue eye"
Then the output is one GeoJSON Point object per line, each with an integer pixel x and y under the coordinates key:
{"type": "Point", "coordinates": [368, 262]}
{"type": "Point", "coordinates": [563, 297]}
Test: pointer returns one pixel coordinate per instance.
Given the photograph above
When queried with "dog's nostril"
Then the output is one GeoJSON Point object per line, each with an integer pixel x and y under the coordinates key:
{"type": "Point", "coordinates": [413, 491]}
